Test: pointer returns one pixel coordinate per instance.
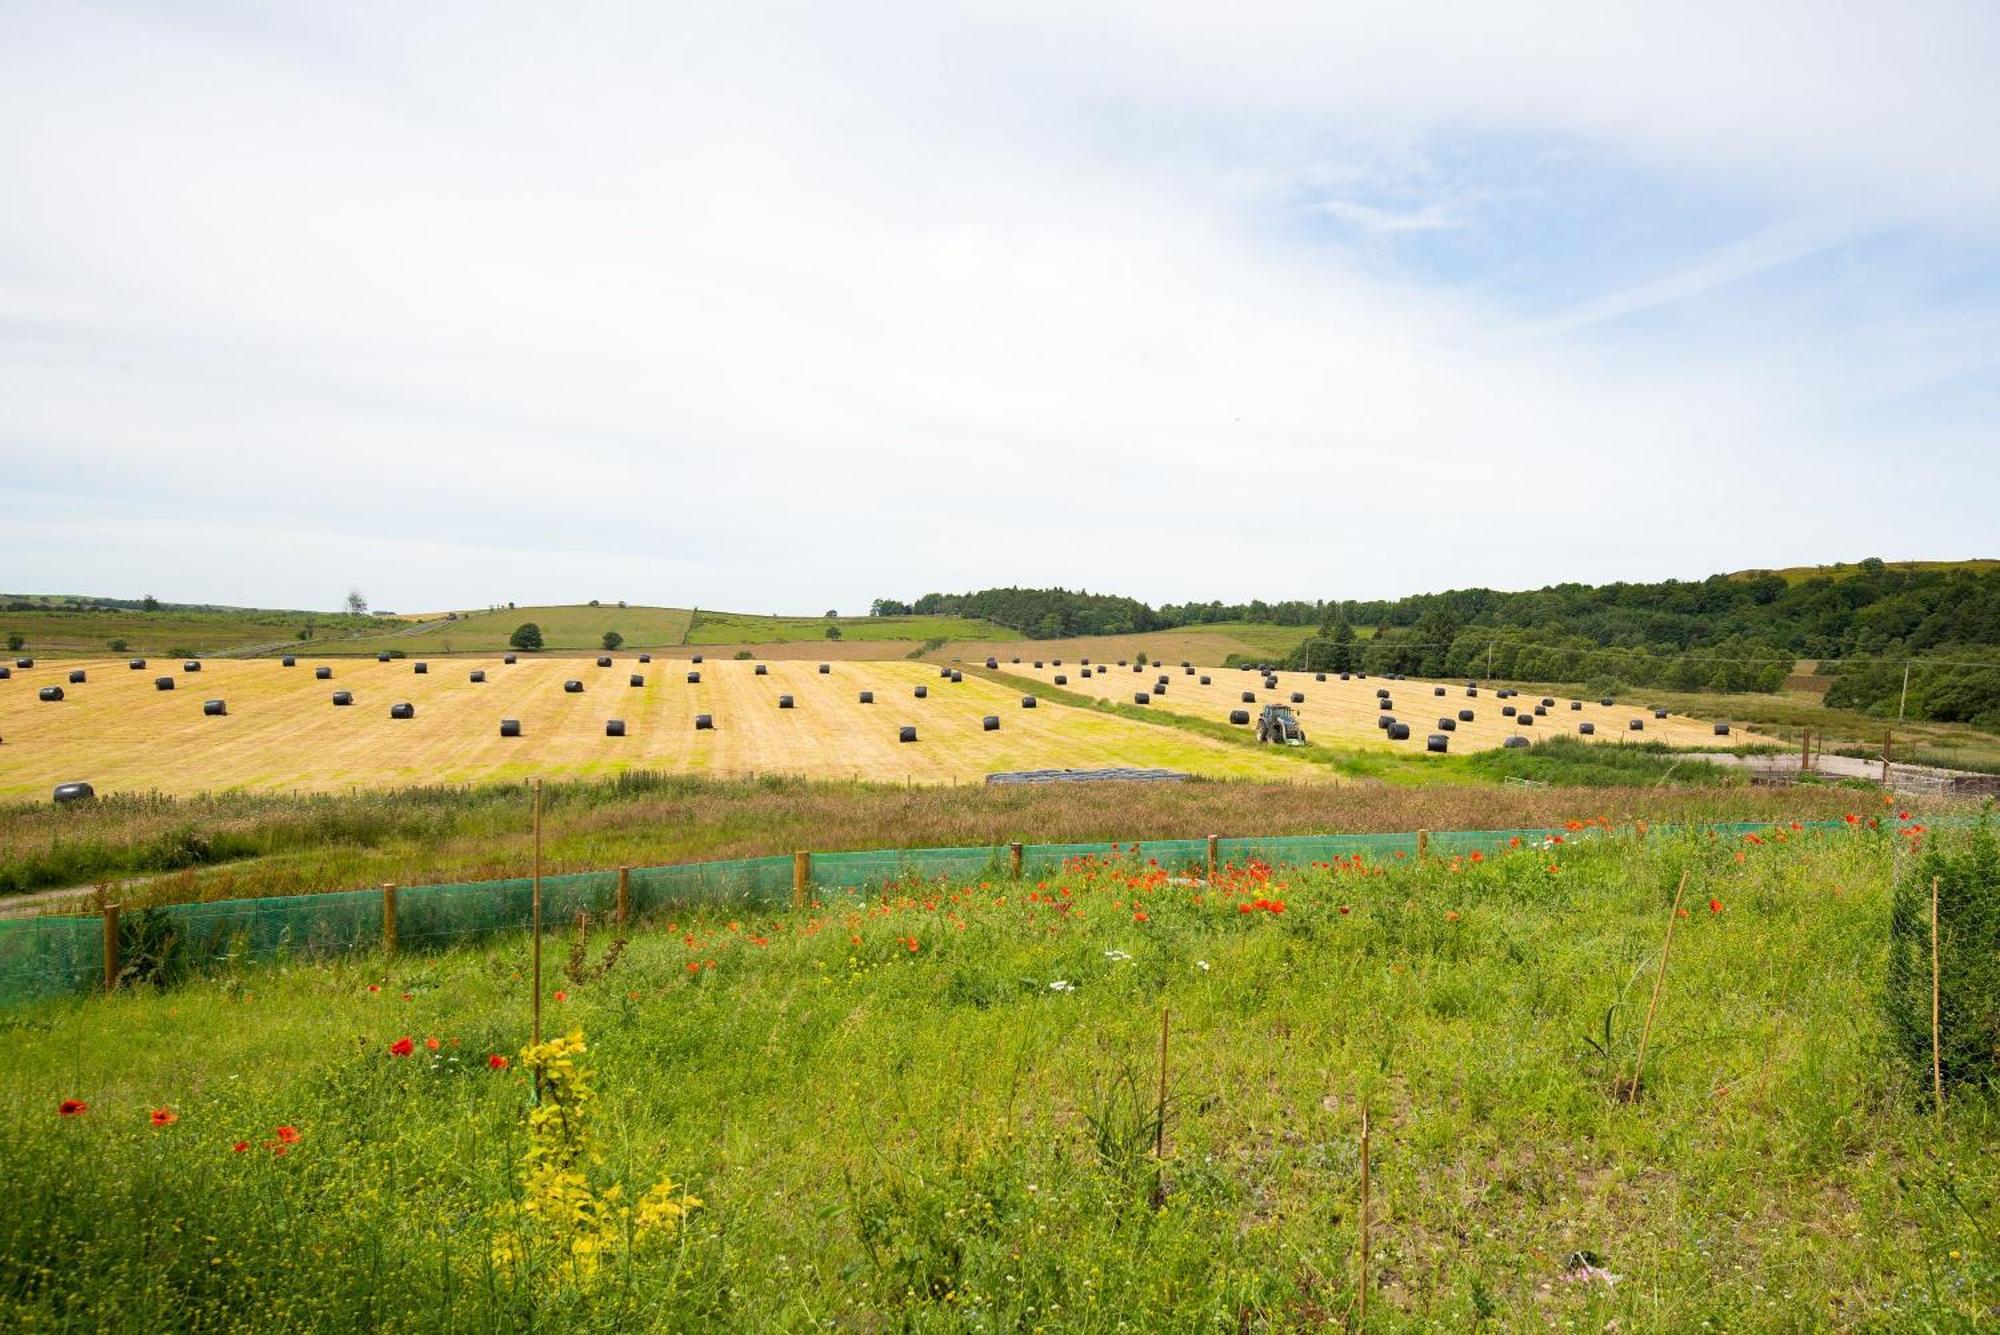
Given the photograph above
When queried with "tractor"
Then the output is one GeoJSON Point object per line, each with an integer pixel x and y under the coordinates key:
{"type": "Point", "coordinates": [1277, 724]}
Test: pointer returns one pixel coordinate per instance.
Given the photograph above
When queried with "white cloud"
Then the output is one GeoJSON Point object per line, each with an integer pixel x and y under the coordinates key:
{"type": "Point", "coordinates": [685, 305]}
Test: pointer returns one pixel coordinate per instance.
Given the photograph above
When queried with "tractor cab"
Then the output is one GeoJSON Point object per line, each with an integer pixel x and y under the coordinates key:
{"type": "Point", "coordinates": [1278, 725]}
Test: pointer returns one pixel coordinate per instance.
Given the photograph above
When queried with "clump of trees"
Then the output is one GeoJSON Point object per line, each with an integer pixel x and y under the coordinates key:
{"type": "Point", "coordinates": [527, 636]}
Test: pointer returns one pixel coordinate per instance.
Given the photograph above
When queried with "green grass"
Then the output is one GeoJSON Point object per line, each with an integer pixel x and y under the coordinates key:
{"type": "Point", "coordinates": [59, 632]}
{"type": "Point", "coordinates": [744, 628]}
{"type": "Point", "coordinates": [1849, 569]}
{"type": "Point", "coordinates": [941, 1139]}
{"type": "Point", "coordinates": [576, 626]}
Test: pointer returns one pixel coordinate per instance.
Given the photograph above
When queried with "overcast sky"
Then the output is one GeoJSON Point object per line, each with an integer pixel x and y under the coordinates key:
{"type": "Point", "coordinates": [781, 311]}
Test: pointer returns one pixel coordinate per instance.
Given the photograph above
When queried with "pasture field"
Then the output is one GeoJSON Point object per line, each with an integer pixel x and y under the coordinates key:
{"type": "Point", "coordinates": [741, 628]}
{"type": "Point", "coordinates": [1345, 713]}
{"type": "Point", "coordinates": [56, 631]}
{"type": "Point", "coordinates": [283, 733]}
{"type": "Point", "coordinates": [578, 626]}
{"type": "Point", "coordinates": [934, 1110]}
{"type": "Point", "coordinates": [1198, 644]}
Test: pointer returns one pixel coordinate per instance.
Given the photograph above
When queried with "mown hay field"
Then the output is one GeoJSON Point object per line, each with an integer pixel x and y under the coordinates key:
{"type": "Point", "coordinates": [282, 732]}
{"type": "Point", "coordinates": [1345, 713]}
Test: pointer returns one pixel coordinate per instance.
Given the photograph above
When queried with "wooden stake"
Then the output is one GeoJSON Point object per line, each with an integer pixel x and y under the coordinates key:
{"type": "Point", "coordinates": [389, 918]}
{"type": "Point", "coordinates": [1361, 1290]}
{"type": "Point", "coordinates": [1212, 841]}
{"type": "Point", "coordinates": [1659, 983]}
{"type": "Point", "coordinates": [1423, 844]}
{"type": "Point", "coordinates": [111, 948]}
{"type": "Point", "coordinates": [624, 895]}
{"type": "Point", "coordinates": [802, 865]}
{"type": "Point", "coordinates": [1937, 1059]}
{"type": "Point", "coordinates": [1160, 1123]}
{"type": "Point", "coordinates": [1805, 749]}
{"type": "Point", "coordinates": [535, 918]}
{"type": "Point", "coordinates": [1014, 859]}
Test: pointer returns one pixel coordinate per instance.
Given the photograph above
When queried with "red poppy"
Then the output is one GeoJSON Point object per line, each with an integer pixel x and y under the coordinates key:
{"type": "Point", "coordinates": [1478, 856]}
{"type": "Point", "coordinates": [402, 1047]}
{"type": "Point", "coordinates": [562, 996]}
{"type": "Point", "coordinates": [374, 987]}
{"type": "Point", "coordinates": [694, 966]}
{"type": "Point", "coordinates": [408, 996]}
{"type": "Point", "coordinates": [1715, 906]}
{"type": "Point", "coordinates": [73, 1108]}
{"type": "Point", "coordinates": [1343, 910]}
{"type": "Point", "coordinates": [288, 1134]}
{"type": "Point", "coordinates": [1451, 915]}
{"type": "Point", "coordinates": [1140, 916]}
{"type": "Point", "coordinates": [432, 1044]}
{"type": "Point", "coordinates": [165, 1117]}
{"type": "Point", "coordinates": [912, 943]}
{"type": "Point", "coordinates": [497, 1062]}
{"type": "Point", "coordinates": [241, 1147]}
{"type": "Point", "coordinates": [281, 1150]}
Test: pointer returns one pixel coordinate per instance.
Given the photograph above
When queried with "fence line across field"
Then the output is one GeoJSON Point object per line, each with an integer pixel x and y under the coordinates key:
{"type": "Point", "coordinates": [72, 954]}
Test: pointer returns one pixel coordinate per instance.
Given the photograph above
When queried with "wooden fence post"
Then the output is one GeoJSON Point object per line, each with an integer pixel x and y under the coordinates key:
{"type": "Point", "coordinates": [624, 895]}
{"type": "Point", "coordinates": [1211, 859]}
{"type": "Point", "coordinates": [111, 964]}
{"type": "Point", "coordinates": [1014, 859]}
{"type": "Point", "coordinates": [1888, 742]}
{"type": "Point", "coordinates": [1805, 750]}
{"type": "Point", "coordinates": [388, 919]}
{"type": "Point", "coordinates": [1423, 844]}
{"type": "Point", "coordinates": [802, 862]}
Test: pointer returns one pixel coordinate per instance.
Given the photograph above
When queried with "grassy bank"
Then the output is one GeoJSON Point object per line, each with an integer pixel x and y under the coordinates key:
{"type": "Point", "coordinates": [239, 845]}
{"type": "Point", "coordinates": [935, 1113]}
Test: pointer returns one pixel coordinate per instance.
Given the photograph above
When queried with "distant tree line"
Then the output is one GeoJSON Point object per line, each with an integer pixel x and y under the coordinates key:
{"type": "Point", "coordinates": [1733, 633]}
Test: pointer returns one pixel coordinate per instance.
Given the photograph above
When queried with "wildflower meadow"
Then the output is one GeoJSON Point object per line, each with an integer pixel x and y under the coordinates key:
{"type": "Point", "coordinates": [1120, 1097]}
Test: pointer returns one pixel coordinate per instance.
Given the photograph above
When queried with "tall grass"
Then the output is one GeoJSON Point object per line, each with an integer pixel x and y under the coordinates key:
{"type": "Point", "coordinates": [897, 1119]}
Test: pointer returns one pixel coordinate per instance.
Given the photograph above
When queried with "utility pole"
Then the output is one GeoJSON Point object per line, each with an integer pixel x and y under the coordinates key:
{"type": "Point", "coordinates": [1904, 702]}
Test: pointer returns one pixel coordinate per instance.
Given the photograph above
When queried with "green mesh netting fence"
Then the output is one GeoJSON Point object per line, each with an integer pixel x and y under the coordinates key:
{"type": "Point", "coordinates": [56, 956]}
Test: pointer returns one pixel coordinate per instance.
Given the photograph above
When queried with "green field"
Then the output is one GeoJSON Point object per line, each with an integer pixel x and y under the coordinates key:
{"type": "Point", "coordinates": [574, 626]}
{"type": "Point", "coordinates": [64, 632]}
{"type": "Point", "coordinates": [935, 1111]}
{"type": "Point", "coordinates": [744, 628]}
{"type": "Point", "coordinates": [1848, 569]}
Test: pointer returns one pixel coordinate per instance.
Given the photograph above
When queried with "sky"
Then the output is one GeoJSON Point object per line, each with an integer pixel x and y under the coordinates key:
{"type": "Point", "coordinates": [785, 308]}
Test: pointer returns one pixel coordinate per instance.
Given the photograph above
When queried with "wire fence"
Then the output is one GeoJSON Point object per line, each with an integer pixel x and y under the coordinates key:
{"type": "Point", "coordinates": [67, 955]}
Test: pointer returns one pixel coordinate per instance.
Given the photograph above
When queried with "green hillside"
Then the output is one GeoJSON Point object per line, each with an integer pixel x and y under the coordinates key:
{"type": "Point", "coordinates": [743, 628]}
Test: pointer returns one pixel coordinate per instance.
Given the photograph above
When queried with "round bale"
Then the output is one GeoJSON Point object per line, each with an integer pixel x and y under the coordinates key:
{"type": "Point", "coordinates": [343, 697]}
{"type": "Point", "coordinates": [76, 791]}
{"type": "Point", "coordinates": [1587, 728]}
{"type": "Point", "coordinates": [51, 693]}
{"type": "Point", "coordinates": [991, 723]}
{"type": "Point", "coordinates": [288, 661]}
{"type": "Point", "coordinates": [511, 658]}
{"type": "Point", "coordinates": [78, 677]}
{"type": "Point", "coordinates": [421, 669]}
{"type": "Point", "coordinates": [1249, 697]}
{"type": "Point", "coordinates": [1205, 681]}
{"type": "Point", "coordinates": [867, 697]}
{"type": "Point", "coordinates": [1515, 742]}
{"type": "Point", "coordinates": [1061, 679]}
{"type": "Point", "coordinates": [923, 691]}
{"type": "Point", "coordinates": [403, 710]}
{"type": "Point", "coordinates": [477, 675]}
{"type": "Point", "coordinates": [825, 668]}
{"type": "Point", "coordinates": [614, 727]}
{"type": "Point", "coordinates": [1027, 702]}
{"type": "Point", "coordinates": [163, 683]}
{"type": "Point", "coordinates": [1298, 697]}
{"type": "Point", "coordinates": [1141, 698]}
{"type": "Point", "coordinates": [636, 679]}
{"type": "Point", "coordinates": [137, 665]}
{"type": "Point", "coordinates": [192, 665]}
{"type": "Point", "coordinates": [510, 727]}
{"type": "Point", "coordinates": [573, 687]}
{"type": "Point", "coordinates": [323, 674]}
{"type": "Point", "coordinates": [906, 734]}
{"type": "Point", "coordinates": [704, 722]}
{"type": "Point", "coordinates": [784, 702]}
{"type": "Point", "coordinates": [1465, 716]}
{"type": "Point", "coordinates": [604, 660]}
{"type": "Point", "coordinates": [760, 671]}
{"type": "Point", "coordinates": [1399, 732]}
{"type": "Point", "coordinates": [214, 708]}
{"type": "Point", "coordinates": [694, 679]}
{"type": "Point", "coordinates": [1637, 725]}
{"type": "Point", "coordinates": [1239, 716]}
{"type": "Point", "coordinates": [1722, 730]}
{"type": "Point", "coordinates": [1437, 743]}
{"type": "Point", "coordinates": [1448, 724]}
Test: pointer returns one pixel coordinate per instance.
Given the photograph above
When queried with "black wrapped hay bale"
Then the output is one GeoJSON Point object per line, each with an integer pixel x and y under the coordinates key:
{"type": "Point", "coordinates": [1187, 671]}
{"type": "Point", "coordinates": [991, 723]}
{"type": "Point", "coordinates": [1722, 730]}
{"type": "Point", "coordinates": [77, 791]}
{"type": "Point", "coordinates": [825, 668]}
{"type": "Point", "coordinates": [1542, 710]}
{"type": "Point", "coordinates": [784, 702]}
{"type": "Point", "coordinates": [1606, 702]}
{"type": "Point", "coordinates": [1525, 720]}
{"type": "Point", "coordinates": [288, 661]}
{"type": "Point", "coordinates": [923, 691]}
{"type": "Point", "coordinates": [382, 657]}
{"type": "Point", "coordinates": [24, 663]}
{"type": "Point", "coordinates": [1385, 703]}
{"type": "Point", "coordinates": [695, 659]}
{"type": "Point", "coordinates": [1381, 692]}
{"type": "Point", "coordinates": [1038, 662]}
{"type": "Point", "coordinates": [510, 727]}
{"type": "Point", "coordinates": [1239, 716]}
{"type": "Point", "coordinates": [1508, 711]}
{"type": "Point", "coordinates": [1086, 672]}
{"type": "Point", "coordinates": [192, 665]}
{"type": "Point", "coordinates": [1448, 724]}
{"type": "Point", "coordinates": [645, 658]}
{"type": "Point", "coordinates": [867, 697]}
{"type": "Point", "coordinates": [694, 679]}
{"type": "Point", "coordinates": [1319, 676]}
{"type": "Point", "coordinates": [403, 710]}
{"type": "Point", "coordinates": [5, 672]}
{"type": "Point", "coordinates": [322, 674]}
{"type": "Point", "coordinates": [1659, 713]}
{"type": "Point", "coordinates": [1437, 690]}
{"type": "Point", "coordinates": [958, 676]}
{"type": "Point", "coordinates": [1347, 676]}
{"type": "Point", "coordinates": [1472, 692]}
{"type": "Point", "coordinates": [477, 675]}
{"type": "Point", "coordinates": [1121, 662]}
{"type": "Point", "coordinates": [1249, 697]}
{"type": "Point", "coordinates": [573, 687]}
{"type": "Point", "coordinates": [993, 663]}
{"type": "Point", "coordinates": [214, 708]}
{"type": "Point", "coordinates": [421, 669]}
{"type": "Point", "coordinates": [137, 665]}
{"type": "Point", "coordinates": [78, 677]}
{"type": "Point", "coordinates": [1515, 743]}
{"type": "Point", "coordinates": [50, 693]}
{"type": "Point", "coordinates": [1587, 728]}
{"type": "Point", "coordinates": [163, 683]}
{"type": "Point", "coordinates": [944, 670]}
{"type": "Point", "coordinates": [1027, 702]}
{"type": "Point", "coordinates": [636, 679]}
{"type": "Point", "coordinates": [906, 734]}
{"type": "Point", "coordinates": [704, 722]}
{"type": "Point", "coordinates": [1141, 698]}
{"type": "Point", "coordinates": [1298, 697]}
{"type": "Point", "coordinates": [1061, 679]}
{"type": "Point", "coordinates": [1576, 704]}
{"type": "Point", "coordinates": [1205, 681]}
{"type": "Point", "coordinates": [1637, 725]}
{"type": "Point", "coordinates": [343, 697]}
{"type": "Point", "coordinates": [603, 660]}
{"type": "Point", "coordinates": [614, 727]}
{"type": "Point", "coordinates": [760, 671]}
{"type": "Point", "coordinates": [1014, 660]}
{"type": "Point", "coordinates": [1384, 721]}
{"type": "Point", "coordinates": [1399, 732]}
{"type": "Point", "coordinates": [511, 659]}
{"type": "Point", "coordinates": [1465, 716]}
{"type": "Point", "coordinates": [1437, 743]}
{"type": "Point", "coordinates": [1161, 689]}
{"type": "Point", "coordinates": [1548, 701]}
